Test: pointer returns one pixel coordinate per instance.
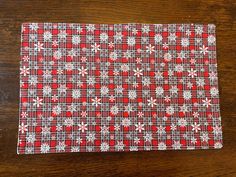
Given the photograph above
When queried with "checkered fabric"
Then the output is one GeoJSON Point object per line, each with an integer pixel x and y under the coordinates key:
{"type": "Point", "coordinates": [118, 87]}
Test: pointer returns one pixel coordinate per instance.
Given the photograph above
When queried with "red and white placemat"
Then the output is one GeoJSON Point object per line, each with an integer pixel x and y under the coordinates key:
{"type": "Point", "coordinates": [118, 87]}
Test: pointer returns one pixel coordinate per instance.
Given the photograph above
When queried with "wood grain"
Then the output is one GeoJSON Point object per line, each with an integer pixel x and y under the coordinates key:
{"type": "Point", "coordinates": [156, 163]}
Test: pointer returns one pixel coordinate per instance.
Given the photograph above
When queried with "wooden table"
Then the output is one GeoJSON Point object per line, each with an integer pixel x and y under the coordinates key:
{"type": "Point", "coordinates": [156, 163]}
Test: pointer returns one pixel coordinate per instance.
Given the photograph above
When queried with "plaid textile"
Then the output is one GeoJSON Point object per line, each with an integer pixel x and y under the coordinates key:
{"type": "Point", "coordinates": [118, 87]}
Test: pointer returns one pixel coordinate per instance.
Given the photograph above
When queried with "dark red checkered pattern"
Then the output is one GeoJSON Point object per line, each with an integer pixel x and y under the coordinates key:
{"type": "Point", "coordinates": [118, 87]}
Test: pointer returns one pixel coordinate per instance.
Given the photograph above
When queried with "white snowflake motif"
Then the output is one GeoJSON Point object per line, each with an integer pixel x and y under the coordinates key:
{"type": "Point", "coordinates": [187, 94]}
{"type": "Point", "coordinates": [132, 94]}
{"type": "Point", "coordinates": [161, 146]}
{"type": "Point", "coordinates": [184, 108]}
{"type": "Point", "coordinates": [91, 81]}
{"type": "Point", "coordinates": [193, 140]}
{"type": "Point", "coordinates": [211, 39]}
{"type": "Point", "coordinates": [114, 110]}
{"type": "Point", "coordinates": [152, 102]}
{"type": "Point", "coordinates": [158, 75]}
{"type": "Point", "coordinates": [37, 102]}
{"type": "Point", "coordinates": [148, 137]}
{"type": "Point", "coordinates": [145, 29]}
{"type": "Point", "coordinates": [158, 38]}
{"type": "Point", "coordinates": [176, 145]}
{"type": "Point", "coordinates": [203, 49]}
{"type": "Point", "coordinates": [213, 76]}
{"type": "Point", "coordinates": [47, 74]}
{"type": "Point", "coordinates": [146, 81]}
{"type": "Point", "coordinates": [124, 67]}
{"type": "Point", "coordinates": [69, 122]}
{"type": "Point", "coordinates": [61, 146]}
{"type": "Point", "coordinates": [150, 49]}
{"type": "Point", "coordinates": [47, 36]}
{"type": "Point", "coordinates": [196, 127]}
{"type": "Point", "coordinates": [119, 89]}
{"type": "Point", "coordinates": [204, 136]}
{"type": "Point", "coordinates": [182, 122]}
{"type": "Point", "coordinates": [179, 68]}
{"type": "Point", "coordinates": [104, 130]}
{"type": "Point", "coordinates": [90, 27]}
{"type": "Point", "coordinates": [118, 36]}
{"type": "Point", "coordinates": [138, 72]}
{"type": "Point", "coordinates": [119, 146]}
{"type": "Point", "coordinates": [159, 91]}
{"type": "Point", "coordinates": [127, 54]}
{"type": "Point", "coordinates": [69, 66]}
{"type": "Point", "coordinates": [167, 57]}
{"type": "Point", "coordinates": [173, 89]}
{"type": "Point", "coordinates": [206, 102]}
{"type": "Point", "coordinates": [75, 149]}
{"type": "Point", "coordinates": [104, 147]}
{"type": "Point", "coordinates": [103, 37]}
{"type": "Point", "coordinates": [172, 37]}
{"type": "Point", "coordinates": [56, 110]}
{"type": "Point", "coordinates": [71, 108]}
{"type": "Point", "coordinates": [126, 122]}
{"type": "Point", "coordinates": [91, 137]}
{"type": "Point", "coordinates": [139, 127]}
{"type": "Point", "coordinates": [79, 140]}
{"type": "Point", "coordinates": [136, 140]}
{"type": "Point", "coordinates": [131, 41]}
{"type": "Point", "coordinates": [24, 115]}
{"type": "Point", "coordinates": [38, 47]}
{"type": "Point", "coordinates": [82, 127]}
{"type": "Point", "coordinates": [75, 39]}
{"type": "Point", "coordinates": [134, 31]}
{"type": "Point", "coordinates": [76, 93]}
{"type": "Point", "coordinates": [34, 26]}
{"type": "Point", "coordinates": [167, 98]}
{"type": "Point", "coordinates": [140, 114]}
{"type": "Point", "coordinates": [59, 127]}
{"type": "Point", "coordinates": [195, 114]}
{"type": "Point", "coordinates": [96, 101]}
{"type": "Point", "coordinates": [62, 34]}
{"type": "Point", "coordinates": [173, 127]}
{"type": "Point", "coordinates": [45, 130]}
{"type": "Point", "coordinates": [113, 56]}
{"type": "Point", "coordinates": [214, 91]}
{"type": "Point", "coordinates": [200, 82]}
{"type": "Point", "coordinates": [133, 148]}
{"type": "Point", "coordinates": [83, 71]}
{"type": "Point", "coordinates": [185, 42]}
{"type": "Point", "coordinates": [25, 58]}
{"type": "Point", "coordinates": [199, 30]}
{"type": "Point", "coordinates": [217, 130]}
{"type": "Point", "coordinates": [218, 145]}
{"type": "Point", "coordinates": [95, 47]}
{"type": "Point", "coordinates": [192, 73]}
{"type": "Point", "coordinates": [57, 54]}
{"type": "Point", "coordinates": [161, 130]}
{"type": "Point", "coordinates": [104, 90]}
{"type": "Point", "coordinates": [31, 138]}
{"type": "Point", "coordinates": [72, 53]}
{"type": "Point", "coordinates": [47, 90]}
{"type": "Point", "coordinates": [170, 110]}
{"type": "Point", "coordinates": [62, 88]}
{"type": "Point", "coordinates": [24, 71]}
{"type": "Point", "coordinates": [117, 127]}
{"type": "Point", "coordinates": [44, 148]}
{"type": "Point", "coordinates": [23, 127]}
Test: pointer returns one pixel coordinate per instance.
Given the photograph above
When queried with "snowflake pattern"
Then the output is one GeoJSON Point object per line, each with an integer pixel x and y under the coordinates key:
{"type": "Point", "coordinates": [118, 87]}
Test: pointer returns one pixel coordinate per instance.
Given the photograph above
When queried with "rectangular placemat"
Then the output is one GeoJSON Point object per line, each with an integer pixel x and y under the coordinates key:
{"type": "Point", "coordinates": [118, 87]}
